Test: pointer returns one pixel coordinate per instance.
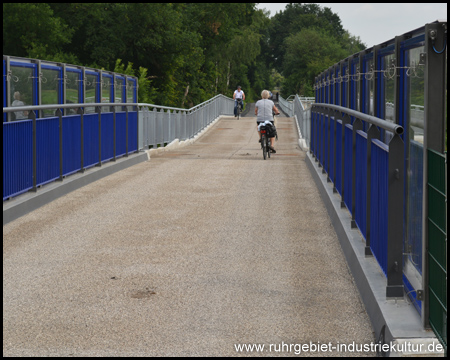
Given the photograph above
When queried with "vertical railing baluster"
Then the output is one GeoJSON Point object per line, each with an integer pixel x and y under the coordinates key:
{"type": "Point", "coordinates": [372, 133]}
{"type": "Point", "coordinates": [59, 115]}
{"type": "Point", "coordinates": [357, 125]}
{"type": "Point", "coordinates": [395, 218]}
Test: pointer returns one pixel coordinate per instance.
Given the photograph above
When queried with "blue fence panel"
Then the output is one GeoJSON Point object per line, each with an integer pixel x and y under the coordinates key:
{"type": "Point", "coordinates": [379, 202]}
{"type": "Point", "coordinates": [121, 130]}
{"type": "Point", "coordinates": [90, 138]}
{"type": "Point", "coordinates": [47, 150]}
{"type": "Point", "coordinates": [107, 136]}
{"type": "Point", "coordinates": [361, 182]}
{"type": "Point", "coordinates": [338, 183]}
{"type": "Point", "coordinates": [17, 157]}
{"type": "Point", "coordinates": [71, 144]}
{"type": "Point", "coordinates": [348, 140]}
{"type": "Point", "coordinates": [132, 131]}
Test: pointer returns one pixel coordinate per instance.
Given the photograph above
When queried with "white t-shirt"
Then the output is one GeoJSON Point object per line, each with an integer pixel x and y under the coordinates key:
{"type": "Point", "coordinates": [19, 114]}
{"type": "Point", "coordinates": [238, 94]}
{"type": "Point", "coordinates": [265, 108]}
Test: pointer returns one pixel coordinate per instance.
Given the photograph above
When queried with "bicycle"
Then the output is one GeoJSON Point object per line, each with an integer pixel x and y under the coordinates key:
{"type": "Point", "coordinates": [239, 107]}
{"type": "Point", "coordinates": [266, 134]}
{"type": "Point", "coordinates": [265, 142]}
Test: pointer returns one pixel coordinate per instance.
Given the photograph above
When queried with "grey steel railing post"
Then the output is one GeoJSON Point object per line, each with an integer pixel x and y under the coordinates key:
{"type": "Point", "coordinates": [80, 111]}
{"type": "Point", "coordinates": [178, 125]}
{"type": "Point", "coordinates": [126, 131]}
{"type": "Point", "coordinates": [357, 125]}
{"type": "Point", "coordinates": [335, 134]}
{"type": "Point", "coordinates": [396, 160]}
{"type": "Point", "coordinates": [322, 137]}
{"type": "Point", "coordinates": [312, 124]}
{"type": "Point", "coordinates": [361, 79]}
{"type": "Point", "coordinates": [160, 127]}
{"type": "Point", "coordinates": [32, 116]}
{"type": "Point", "coordinates": [327, 141]}
{"type": "Point", "coordinates": [136, 108]}
{"type": "Point", "coordinates": [434, 139]}
{"type": "Point", "coordinates": [114, 132]}
{"type": "Point", "coordinates": [318, 114]}
{"type": "Point", "coordinates": [345, 121]}
{"type": "Point", "coordinates": [372, 133]}
{"type": "Point", "coordinates": [154, 114]}
{"type": "Point", "coordinates": [59, 115]}
{"type": "Point", "coordinates": [146, 127]}
{"type": "Point", "coordinates": [98, 110]}
{"type": "Point", "coordinates": [183, 124]}
{"type": "Point", "coordinates": [376, 83]}
{"type": "Point", "coordinates": [40, 113]}
{"type": "Point", "coordinates": [169, 126]}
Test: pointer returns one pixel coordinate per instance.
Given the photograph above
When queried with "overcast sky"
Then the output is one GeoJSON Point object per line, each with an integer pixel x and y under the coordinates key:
{"type": "Point", "coordinates": [377, 23]}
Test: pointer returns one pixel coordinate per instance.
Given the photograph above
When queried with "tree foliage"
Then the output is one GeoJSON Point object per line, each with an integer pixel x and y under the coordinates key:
{"type": "Point", "coordinates": [305, 40]}
{"type": "Point", "coordinates": [33, 30]}
{"type": "Point", "coordinates": [183, 53]}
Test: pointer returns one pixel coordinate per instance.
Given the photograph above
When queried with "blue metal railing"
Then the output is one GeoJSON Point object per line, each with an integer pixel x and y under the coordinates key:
{"type": "Point", "coordinates": [37, 151]}
{"type": "Point", "coordinates": [370, 180]}
{"type": "Point", "coordinates": [403, 81]}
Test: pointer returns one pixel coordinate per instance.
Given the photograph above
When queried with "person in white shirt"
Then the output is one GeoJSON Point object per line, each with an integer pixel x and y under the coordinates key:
{"type": "Point", "coordinates": [238, 95]}
{"type": "Point", "coordinates": [20, 115]}
{"type": "Point", "coordinates": [264, 110]}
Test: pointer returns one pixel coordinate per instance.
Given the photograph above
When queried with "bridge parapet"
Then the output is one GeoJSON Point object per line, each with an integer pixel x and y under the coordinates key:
{"type": "Point", "coordinates": [65, 119]}
{"type": "Point", "coordinates": [401, 81]}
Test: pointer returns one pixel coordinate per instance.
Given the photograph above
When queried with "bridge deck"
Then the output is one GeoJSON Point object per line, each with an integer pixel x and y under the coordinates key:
{"type": "Point", "coordinates": [190, 253]}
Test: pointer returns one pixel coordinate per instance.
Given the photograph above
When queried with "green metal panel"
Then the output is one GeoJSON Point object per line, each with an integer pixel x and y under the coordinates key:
{"type": "Point", "coordinates": [437, 242]}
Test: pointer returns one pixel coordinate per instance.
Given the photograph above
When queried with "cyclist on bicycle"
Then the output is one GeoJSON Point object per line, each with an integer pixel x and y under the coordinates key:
{"type": "Point", "coordinates": [264, 110]}
{"type": "Point", "coordinates": [238, 95]}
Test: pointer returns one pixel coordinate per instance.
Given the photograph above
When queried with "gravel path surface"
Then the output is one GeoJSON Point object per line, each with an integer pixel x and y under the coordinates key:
{"type": "Point", "coordinates": [197, 250]}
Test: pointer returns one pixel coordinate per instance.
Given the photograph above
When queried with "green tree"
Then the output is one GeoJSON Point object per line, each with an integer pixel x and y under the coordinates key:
{"type": "Point", "coordinates": [308, 53]}
{"type": "Point", "coordinates": [32, 30]}
{"type": "Point", "coordinates": [183, 53]}
{"type": "Point", "coordinates": [146, 93]}
{"type": "Point", "coordinates": [297, 17]}
{"type": "Point", "coordinates": [305, 40]}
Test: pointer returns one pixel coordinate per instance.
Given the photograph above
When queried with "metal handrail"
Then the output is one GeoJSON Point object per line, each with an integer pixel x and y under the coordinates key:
{"type": "Point", "coordinates": [61, 106]}
{"type": "Point", "coordinates": [68, 106]}
{"type": "Point", "coordinates": [181, 109]}
{"type": "Point", "coordinates": [394, 171]}
{"type": "Point", "coordinates": [384, 124]}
